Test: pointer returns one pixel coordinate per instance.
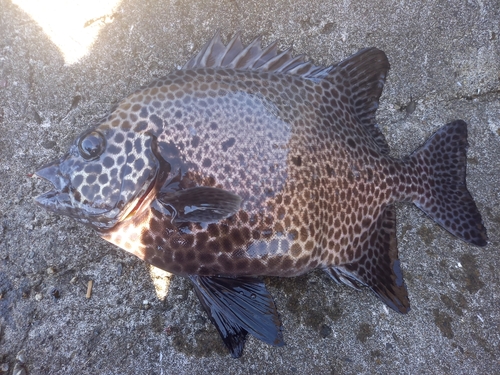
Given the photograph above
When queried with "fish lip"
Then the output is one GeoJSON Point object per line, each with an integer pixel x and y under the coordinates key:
{"type": "Point", "coordinates": [51, 172]}
{"type": "Point", "coordinates": [57, 199]}
{"type": "Point", "coordinates": [52, 200]}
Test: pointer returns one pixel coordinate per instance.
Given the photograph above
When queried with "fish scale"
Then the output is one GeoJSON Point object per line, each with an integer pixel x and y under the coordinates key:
{"type": "Point", "coordinates": [251, 162]}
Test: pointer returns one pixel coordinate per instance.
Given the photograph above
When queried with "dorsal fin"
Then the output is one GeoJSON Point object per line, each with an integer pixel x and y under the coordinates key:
{"type": "Point", "coordinates": [215, 54]}
{"type": "Point", "coordinates": [362, 73]}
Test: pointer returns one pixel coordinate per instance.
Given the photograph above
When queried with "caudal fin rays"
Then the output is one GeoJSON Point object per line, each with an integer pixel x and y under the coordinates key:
{"type": "Point", "coordinates": [446, 200]}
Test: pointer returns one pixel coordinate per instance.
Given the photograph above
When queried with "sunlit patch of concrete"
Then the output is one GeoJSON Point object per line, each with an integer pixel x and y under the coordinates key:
{"type": "Point", "coordinates": [161, 281]}
{"type": "Point", "coordinates": [72, 25]}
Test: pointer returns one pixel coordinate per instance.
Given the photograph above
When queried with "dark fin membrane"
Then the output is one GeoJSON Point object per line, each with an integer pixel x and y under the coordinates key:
{"type": "Point", "coordinates": [382, 272]}
{"type": "Point", "coordinates": [237, 306]}
{"type": "Point", "coordinates": [441, 162]}
{"type": "Point", "coordinates": [200, 204]}
{"type": "Point", "coordinates": [364, 75]}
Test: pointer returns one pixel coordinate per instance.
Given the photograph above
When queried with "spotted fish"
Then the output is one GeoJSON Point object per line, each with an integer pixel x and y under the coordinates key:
{"type": "Point", "coordinates": [250, 162]}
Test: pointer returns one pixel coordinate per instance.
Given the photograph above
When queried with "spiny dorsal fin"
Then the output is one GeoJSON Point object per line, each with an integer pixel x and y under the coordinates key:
{"type": "Point", "coordinates": [253, 57]}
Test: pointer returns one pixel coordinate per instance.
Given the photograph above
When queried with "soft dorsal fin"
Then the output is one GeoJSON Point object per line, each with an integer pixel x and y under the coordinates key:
{"type": "Point", "coordinates": [363, 74]}
{"type": "Point", "coordinates": [382, 272]}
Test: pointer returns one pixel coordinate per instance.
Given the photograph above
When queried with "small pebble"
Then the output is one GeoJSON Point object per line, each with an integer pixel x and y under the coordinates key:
{"type": "Point", "coordinates": [410, 108]}
{"type": "Point", "coordinates": [325, 331]}
{"type": "Point", "coordinates": [21, 356]}
{"type": "Point", "coordinates": [55, 293]}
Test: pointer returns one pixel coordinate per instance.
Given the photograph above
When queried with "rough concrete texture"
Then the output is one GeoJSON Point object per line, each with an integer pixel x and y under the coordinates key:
{"type": "Point", "coordinates": [445, 59]}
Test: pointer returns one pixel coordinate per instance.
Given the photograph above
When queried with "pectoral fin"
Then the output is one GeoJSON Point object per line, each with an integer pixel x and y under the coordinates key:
{"type": "Point", "coordinates": [237, 306]}
{"type": "Point", "coordinates": [201, 204]}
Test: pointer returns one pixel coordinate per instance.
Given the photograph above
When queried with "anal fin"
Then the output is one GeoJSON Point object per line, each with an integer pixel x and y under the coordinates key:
{"type": "Point", "coordinates": [237, 306]}
{"type": "Point", "coordinates": [379, 266]}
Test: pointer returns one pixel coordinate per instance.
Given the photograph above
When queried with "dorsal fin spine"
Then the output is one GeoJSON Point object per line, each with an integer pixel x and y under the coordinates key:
{"type": "Point", "coordinates": [274, 64]}
{"type": "Point", "coordinates": [266, 54]}
{"type": "Point", "coordinates": [233, 48]}
{"type": "Point", "coordinates": [253, 57]}
{"type": "Point", "coordinates": [245, 59]}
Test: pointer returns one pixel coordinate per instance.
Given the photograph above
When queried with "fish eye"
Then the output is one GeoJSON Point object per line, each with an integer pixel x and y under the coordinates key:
{"type": "Point", "coordinates": [92, 145]}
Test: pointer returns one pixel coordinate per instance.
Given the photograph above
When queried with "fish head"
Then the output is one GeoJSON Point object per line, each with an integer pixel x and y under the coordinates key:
{"type": "Point", "coordinates": [107, 173]}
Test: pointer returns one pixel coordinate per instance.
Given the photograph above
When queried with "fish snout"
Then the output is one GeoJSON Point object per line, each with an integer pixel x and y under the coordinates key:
{"type": "Point", "coordinates": [51, 172]}
{"type": "Point", "coordinates": [57, 199]}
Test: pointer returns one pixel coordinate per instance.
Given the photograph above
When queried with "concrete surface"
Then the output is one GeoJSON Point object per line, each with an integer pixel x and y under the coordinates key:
{"type": "Point", "coordinates": [445, 59]}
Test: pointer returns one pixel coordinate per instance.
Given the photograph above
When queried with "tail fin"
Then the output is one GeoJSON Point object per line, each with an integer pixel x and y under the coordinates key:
{"type": "Point", "coordinates": [442, 162]}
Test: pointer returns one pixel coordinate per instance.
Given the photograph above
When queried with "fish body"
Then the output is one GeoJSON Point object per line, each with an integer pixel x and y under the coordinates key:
{"type": "Point", "coordinates": [251, 162]}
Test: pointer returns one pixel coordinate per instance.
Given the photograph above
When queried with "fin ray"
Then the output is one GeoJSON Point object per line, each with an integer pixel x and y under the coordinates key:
{"type": "Point", "coordinates": [233, 49]}
{"type": "Point", "coordinates": [252, 57]}
{"type": "Point", "coordinates": [382, 272]}
{"type": "Point", "coordinates": [441, 161]}
{"type": "Point", "coordinates": [200, 204]}
{"type": "Point", "coordinates": [237, 306]}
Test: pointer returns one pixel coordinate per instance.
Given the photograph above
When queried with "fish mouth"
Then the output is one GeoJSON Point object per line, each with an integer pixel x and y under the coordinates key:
{"type": "Point", "coordinates": [60, 199]}
{"type": "Point", "coordinates": [56, 200]}
{"type": "Point", "coordinates": [51, 173]}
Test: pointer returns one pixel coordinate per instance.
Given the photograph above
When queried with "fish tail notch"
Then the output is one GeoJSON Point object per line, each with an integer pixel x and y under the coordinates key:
{"type": "Point", "coordinates": [441, 164]}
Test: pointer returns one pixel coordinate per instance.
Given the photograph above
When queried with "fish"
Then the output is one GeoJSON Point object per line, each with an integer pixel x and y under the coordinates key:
{"type": "Point", "coordinates": [250, 162]}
